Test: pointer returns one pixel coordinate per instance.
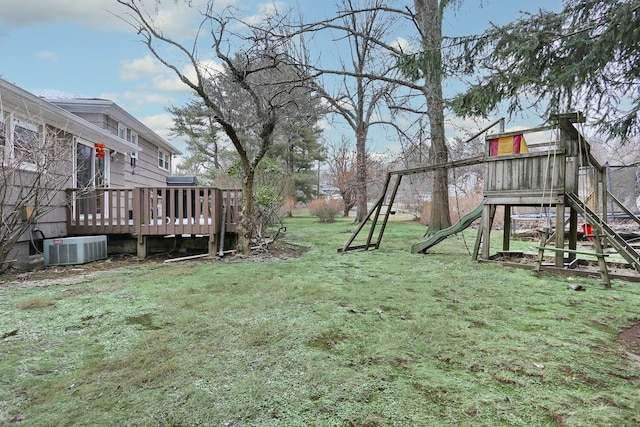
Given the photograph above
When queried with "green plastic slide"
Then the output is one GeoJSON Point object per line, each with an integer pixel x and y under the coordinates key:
{"type": "Point", "coordinates": [440, 235]}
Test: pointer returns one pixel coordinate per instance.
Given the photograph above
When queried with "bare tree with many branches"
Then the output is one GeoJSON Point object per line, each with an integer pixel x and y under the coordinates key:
{"type": "Point", "coordinates": [359, 96]}
{"type": "Point", "coordinates": [34, 165]}
{"type": "Point", "coordinates": [419, 72]}
{"type": "Point", "coordinates": [254, 88]}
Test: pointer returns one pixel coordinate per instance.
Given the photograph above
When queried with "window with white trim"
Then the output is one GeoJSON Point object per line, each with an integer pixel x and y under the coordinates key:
{"type": "Point", "coordinates": [164, 160]}
{"type": "Point", "coordinates": [133, 138]}
{"type": "Point", "coordinates": [22, 142]}
{"type": "Point", "coordinates": [122, 132]}
{"type": "Point", "coordinates": [3, 130]}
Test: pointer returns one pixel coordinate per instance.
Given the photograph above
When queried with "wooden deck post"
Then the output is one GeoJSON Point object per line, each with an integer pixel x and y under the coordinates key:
{"type": "Point", "coordinates": [506, 237]}
{"type": "Point", "coordinates": [602, 264]}
{"type": "Point", "coordinates": [487, 221]}
{"type": "Point", "coordinates": [559, 234]}
{"type": "Point", "coordinates": [573, 232]}
{"type": "Point", "coordinates": [142, 247]}
{"type": "Point", "coordinates": [544, 236]}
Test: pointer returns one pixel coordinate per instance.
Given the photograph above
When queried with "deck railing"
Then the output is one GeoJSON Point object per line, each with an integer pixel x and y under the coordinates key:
{"type": "Point", "coordinates": [147, 211]}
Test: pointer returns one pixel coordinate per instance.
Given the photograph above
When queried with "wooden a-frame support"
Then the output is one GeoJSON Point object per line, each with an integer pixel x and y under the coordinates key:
{"type": "Point", "coordinates": [377, 207]}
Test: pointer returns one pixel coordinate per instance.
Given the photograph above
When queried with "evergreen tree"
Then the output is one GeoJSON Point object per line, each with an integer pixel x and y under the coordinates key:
{"type": "Point", "coordinates": [585, 57]}
{"type": "Point", "coordinates": [299, 151]}
{"type": "Point", "coordinates": [205, 155]}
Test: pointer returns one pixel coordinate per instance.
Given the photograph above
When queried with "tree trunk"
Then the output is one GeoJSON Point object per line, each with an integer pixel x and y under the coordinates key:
{"type": "Point", "coordinates": [247, 224]}
{"type": "Point", "coordinates": [361, 173]}
{"type": "Point", "coordinates": [429, 19]}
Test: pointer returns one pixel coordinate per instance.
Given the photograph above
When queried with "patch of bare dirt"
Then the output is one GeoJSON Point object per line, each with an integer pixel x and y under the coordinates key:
{"type": "Point", "coordinates": [630, 338]}
{"type": "Point", "coordinates": [70, 274]}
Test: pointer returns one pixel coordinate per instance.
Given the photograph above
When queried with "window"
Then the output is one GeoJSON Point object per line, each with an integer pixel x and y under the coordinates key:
{"type": "Point", "coordinates": [84, 165]}
{"type": "Point", "coordinates": [3, 131]}
{"type": "Point", "coordinates": [133, 138]}
{"type": "Point", "coordinates": [164, 160]}
{"type": "Point", "coordinates": [91, 171]}
{"type": "Point", "coordinates": [22, 142]}
{"type": "Point", "coordinates": [122, 132]}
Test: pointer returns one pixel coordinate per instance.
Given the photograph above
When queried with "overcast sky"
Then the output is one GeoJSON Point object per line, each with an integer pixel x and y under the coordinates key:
{"type": "Point", "coordinates": [82, 47]}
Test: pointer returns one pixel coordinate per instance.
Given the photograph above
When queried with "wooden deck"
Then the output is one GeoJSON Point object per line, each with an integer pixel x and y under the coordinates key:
{"type": "Point", "coordinates": [154, 211]}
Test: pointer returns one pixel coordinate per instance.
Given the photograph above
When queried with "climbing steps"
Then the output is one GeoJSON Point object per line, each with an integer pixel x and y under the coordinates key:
{"type": "Point", "coordinates": [624, 248]}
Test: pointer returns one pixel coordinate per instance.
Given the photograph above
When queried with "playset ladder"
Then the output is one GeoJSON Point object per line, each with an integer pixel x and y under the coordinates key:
{"type": "Point", "coordinates": [611, 237]}
{"type": "Point", "coordinates": [375, 212]}
{"type": "Point", "coordinates": [599, 254]}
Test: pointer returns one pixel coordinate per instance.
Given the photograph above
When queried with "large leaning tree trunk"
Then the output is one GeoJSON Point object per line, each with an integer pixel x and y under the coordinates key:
{"type": "Point", "coordinates": [248, 82]}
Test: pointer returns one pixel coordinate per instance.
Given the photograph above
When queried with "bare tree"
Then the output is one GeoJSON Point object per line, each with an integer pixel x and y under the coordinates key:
{"type": "Point", "coordinates": [343, 166]}
{"type": "Point", "coordinates": [422, 73]}
{"type": "Point", "coordinates": [34, 165]}
{"type": "Point", "coordinates": [359, 96]}
{"type": "Point", "coordinates": [255, 88]}
{"type": "Point", "coordinates": [342, 173]}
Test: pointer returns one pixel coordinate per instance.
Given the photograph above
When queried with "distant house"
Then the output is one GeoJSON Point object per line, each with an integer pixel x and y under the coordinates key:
{"type": "Point", "coordinates": [107, 148]}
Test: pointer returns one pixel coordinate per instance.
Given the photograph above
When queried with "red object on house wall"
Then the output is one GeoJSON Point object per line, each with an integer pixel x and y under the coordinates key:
{"type": "Point", "coordinates": [99, 150]}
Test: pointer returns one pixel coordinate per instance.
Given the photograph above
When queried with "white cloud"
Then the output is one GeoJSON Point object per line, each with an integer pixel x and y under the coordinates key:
{"type": "Point", "coordinates": [265, 11]}
{"type": "Point", "coordinates": [47, 56]}
{"type": "Point", "coordinates": [169, 83]}
{"type": "Point", "coordinates": [404, 45]}
{"type": "Point", "coordinates": [208, 67]}
{"type": "Point", "coordinates": [160, 123]}
{"type": "Point", "coordinates": [134, 69]}
{"type": "Point", "coordinates": [324, 125]}
{"type": "Point", "coordinates": [87, 12]}
{"type": "Point", "coordinates": [162, 78]}
{"type": "Point", "coordinates": [173, 17]}
{"type": "Point", "coordinates": [136, 100]}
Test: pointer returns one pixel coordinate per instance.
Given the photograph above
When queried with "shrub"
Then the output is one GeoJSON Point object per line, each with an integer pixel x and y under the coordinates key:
{"type": "Point", "coordinates": [286, 207]}
{"type": "Point", "coordinates": [326, 210]}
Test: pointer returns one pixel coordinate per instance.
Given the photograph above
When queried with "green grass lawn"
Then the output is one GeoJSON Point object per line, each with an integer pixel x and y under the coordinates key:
{"type": "Point", "coordinates": [377, 338]}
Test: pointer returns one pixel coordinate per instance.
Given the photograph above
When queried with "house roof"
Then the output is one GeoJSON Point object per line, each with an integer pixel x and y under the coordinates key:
{"type": "Point", "coordinates": [110, 108]}
{"type": "Point", "coordinates": [14, 98]}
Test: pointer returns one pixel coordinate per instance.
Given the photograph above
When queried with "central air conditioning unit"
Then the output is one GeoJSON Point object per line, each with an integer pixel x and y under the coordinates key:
{"type": "Point", "coordinates": [74, 250]}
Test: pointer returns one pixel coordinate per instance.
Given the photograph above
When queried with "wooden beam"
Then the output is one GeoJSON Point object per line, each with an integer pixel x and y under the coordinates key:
{"type": "Point", "coordinates": [452, 164]}
{"type": "Point", "coordinates": [520, 132]}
